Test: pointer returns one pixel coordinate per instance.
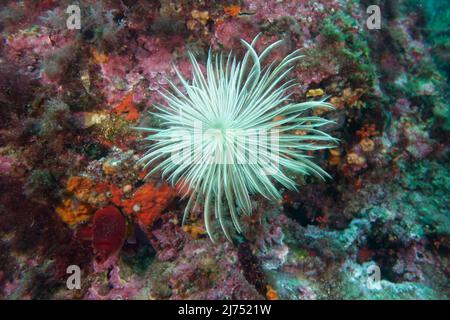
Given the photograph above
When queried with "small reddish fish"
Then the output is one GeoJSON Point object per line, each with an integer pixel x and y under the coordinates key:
{"type": "Point", "coordinates": [109, 230]}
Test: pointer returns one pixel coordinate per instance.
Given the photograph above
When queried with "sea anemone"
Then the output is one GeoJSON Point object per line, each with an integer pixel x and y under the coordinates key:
{"type": "Point", "coordinates": [235, 133]}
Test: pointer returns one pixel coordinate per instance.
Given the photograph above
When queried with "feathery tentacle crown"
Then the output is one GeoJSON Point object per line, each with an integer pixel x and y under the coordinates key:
{"type": "Point", "coordinates": [231, 134]}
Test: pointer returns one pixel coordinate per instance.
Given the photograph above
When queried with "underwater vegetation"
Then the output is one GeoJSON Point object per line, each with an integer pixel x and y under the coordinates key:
{"type": "Point", "coordinates": [368, 108]}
